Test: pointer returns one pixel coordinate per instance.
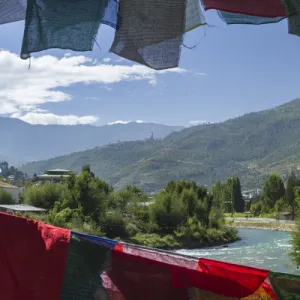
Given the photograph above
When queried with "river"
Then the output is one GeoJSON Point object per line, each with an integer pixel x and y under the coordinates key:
{"type": "Point", "coordinates": [258, 248]}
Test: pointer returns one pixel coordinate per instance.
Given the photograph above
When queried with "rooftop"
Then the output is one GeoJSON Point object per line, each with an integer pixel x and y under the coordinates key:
{"type": "Point", "coordinates": [21, 207]}
{"type": "Point", "coordinates": [58, 170]}
{"type": "Point", "coordinates": [49, 176]}
{"type": "Point", "coordinates": [7, 185]}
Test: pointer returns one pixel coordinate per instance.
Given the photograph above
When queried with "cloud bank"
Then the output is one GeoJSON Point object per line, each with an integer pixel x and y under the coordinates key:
{"type": "Point", "coordinates": [24, 91]}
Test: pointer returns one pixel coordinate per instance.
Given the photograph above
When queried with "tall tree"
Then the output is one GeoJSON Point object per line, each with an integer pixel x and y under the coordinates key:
{"type": "Point", "coordinates": [229, 195]}
{"type": "Point", "coordinates": [290, 193]}
{"type": "Point", "coordinates": [273, 190]}
{"type": "Point", "coordinates": [238, 200]}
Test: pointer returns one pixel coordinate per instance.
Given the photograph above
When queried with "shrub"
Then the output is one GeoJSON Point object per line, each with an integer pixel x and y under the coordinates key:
{"type": "Point", "coordinates": [44, 195]}
{"type": "Point", "coordinates": [114, 225]}
{"type": "Point", "coordinates": [6, 197]}
{"type": "Point", "coordinates": [156, 241]}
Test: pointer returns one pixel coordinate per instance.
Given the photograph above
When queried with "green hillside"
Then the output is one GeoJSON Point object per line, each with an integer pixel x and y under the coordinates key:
{"type": "Point", "coordinates": [250, 147]}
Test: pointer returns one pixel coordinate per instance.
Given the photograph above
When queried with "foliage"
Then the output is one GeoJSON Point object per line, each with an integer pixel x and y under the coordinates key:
{"type": "Point", "coordinates": [292, 193]}
{"type": "Point", "coordinates": [43, 196]}
{"type": "Point", "coordinates": [273, 190]}
{"type": "Point", "coordinates": [256, 209]}
{"type": "Point", "coordinates": [114, 225]}
{"type": "Point", "coordinates": [229, 195]}
{"type": "Point", "coordinates": [6, 197]}
{"type": "Point", "coordinates": [19, 175]}
{"type": "Point", "coordinates": [156, 241]}
{"type": "Point", "coordinates": [183, 214]}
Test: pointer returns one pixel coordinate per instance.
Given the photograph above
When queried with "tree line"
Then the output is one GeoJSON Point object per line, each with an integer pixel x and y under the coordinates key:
{"type": "Point", "coordinates": [183, 214]}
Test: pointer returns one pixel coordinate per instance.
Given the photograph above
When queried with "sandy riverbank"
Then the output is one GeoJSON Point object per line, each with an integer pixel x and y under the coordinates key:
{"type": "Point", "coordinates": [263, 225]}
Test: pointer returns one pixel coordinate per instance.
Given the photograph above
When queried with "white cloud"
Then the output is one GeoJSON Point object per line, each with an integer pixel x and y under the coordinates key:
{"type": "Point", "coordinates": [118, 122]}
{"type": "Point", "coordinates": [200, 74]}
{"type": "Point", "coordinates": [106, 88]}
{"type": "Point", "coordinates": [23, 91]}
{"type": "Point", "coordinates": [48, 118]}
{"type": "Point", "coordinates": [106, 59]}
{"type": "Point", "coordinates": [198, 122]}
{"type": "Point", "coordinates": [125, 122]}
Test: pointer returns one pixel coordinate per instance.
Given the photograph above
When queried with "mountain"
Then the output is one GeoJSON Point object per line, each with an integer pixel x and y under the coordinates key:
{"type": "Point", "coordinates": [22, 142]}
{"type": "Point", "coordinates": [250, 147]}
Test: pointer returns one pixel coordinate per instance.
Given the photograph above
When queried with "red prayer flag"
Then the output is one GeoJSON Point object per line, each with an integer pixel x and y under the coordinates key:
{"type": "Point", "coordinates": [32, 259]}
{"type": "Point", "coordinates": [258, 8]}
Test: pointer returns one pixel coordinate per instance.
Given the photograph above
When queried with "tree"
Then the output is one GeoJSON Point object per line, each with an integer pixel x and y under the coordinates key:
{"type": "Point", "coordinates": [166, 212]}
{"type": "Point", "coordinates": [238, 200]}
{"type": "Point", "coordinates": [273, 190]}
{"type": "Point", "coordinates": [6, 197]}
{"type": "Point", "coordinates": [228, 195]}
{"type": "Point", "coordinates": [43, 196]}
{"type": "Point", "coordinates": [216, 216]}
{"type": "Point", "coordinates": [291, 193]}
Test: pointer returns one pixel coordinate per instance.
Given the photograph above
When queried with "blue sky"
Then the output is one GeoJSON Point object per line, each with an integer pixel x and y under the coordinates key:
{"type": "Point", "coordinates": [235, 69]}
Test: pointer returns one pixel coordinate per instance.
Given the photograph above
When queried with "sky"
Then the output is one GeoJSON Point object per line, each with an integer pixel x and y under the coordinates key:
{"type": "Point", "coordinates": [233, 70]}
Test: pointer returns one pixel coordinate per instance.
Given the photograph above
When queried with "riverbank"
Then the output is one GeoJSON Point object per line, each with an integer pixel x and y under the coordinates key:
{"type": "Point", "coordinates": [206, 238]}
{"type": "Point", "coordinates": [277, 226]}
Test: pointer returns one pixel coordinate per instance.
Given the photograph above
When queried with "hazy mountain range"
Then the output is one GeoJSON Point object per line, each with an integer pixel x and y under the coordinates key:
{"type": "Point", "coordinates": [22, 142]}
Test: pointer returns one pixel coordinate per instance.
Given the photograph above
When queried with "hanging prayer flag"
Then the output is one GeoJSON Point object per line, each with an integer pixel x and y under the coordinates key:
{"type": "Point", "coordinates": [85, 263]}
{"type": "Point", "coordinates": [150, 32]}
{"type": "Point", "coordinates": [233, 18]}
{"type": "Point", "coordinates": [292, 8]}
{"type": "Point", "coordinates": [193, 15]}
{"type": "Point", "coordinates": [63, 24]}
{"type": "Point", "coordinates": [12, 11]}
{"type": "Point", "coordinates": [258, 8]}
{"type": "Point", "coordinates": [32, 259]}
{"type": "Point", "coordinates": [39, 261]}
{"type": "Point", "coordinates": [110, 17]}
{"type": "Point", "coordinates": [286, 286]}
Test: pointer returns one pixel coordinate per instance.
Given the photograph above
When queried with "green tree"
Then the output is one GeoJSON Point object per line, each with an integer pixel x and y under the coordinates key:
{"type": "Point", "coordinates": [228, 195]}
{"type": "Point", "coordinates": [239, 203]}
{"type": "Point", "coordinates": [114, 225]}
{"type": "Point", "coordinates": [291, 193]}
{"type": "Point", "coordinates": [6, 197]}
{"type": "Point", "coordinates": [87, 194]}
{"type": "Point", "coordinates": [43, 196]}
{"type": "Point", "coordinates": [166, 212]}
{"type": "Point", "coordinates": [216, 216]}
{"type": "Point", "coordinates": [256, 208]}
{"type": "Point", "coordinates": [273, 190]}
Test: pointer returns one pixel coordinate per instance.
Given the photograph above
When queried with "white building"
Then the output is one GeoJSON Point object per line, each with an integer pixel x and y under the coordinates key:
{"type": "Point", "coordinates": [11, 189]}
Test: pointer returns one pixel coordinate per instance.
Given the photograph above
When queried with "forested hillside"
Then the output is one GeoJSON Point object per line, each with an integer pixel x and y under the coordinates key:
{"type": "Point", "coordinates": [251, 147]}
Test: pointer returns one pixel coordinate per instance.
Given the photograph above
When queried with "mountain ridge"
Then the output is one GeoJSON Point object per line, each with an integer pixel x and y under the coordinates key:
{"type": "Point", "coordinates": [27, 142]}
{"type": "Point", "coordinates": [249, 146]}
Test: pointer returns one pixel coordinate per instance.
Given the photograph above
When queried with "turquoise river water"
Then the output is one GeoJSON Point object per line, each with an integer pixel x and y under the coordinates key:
{"type": "Point", "coordinates": [258, 248]}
